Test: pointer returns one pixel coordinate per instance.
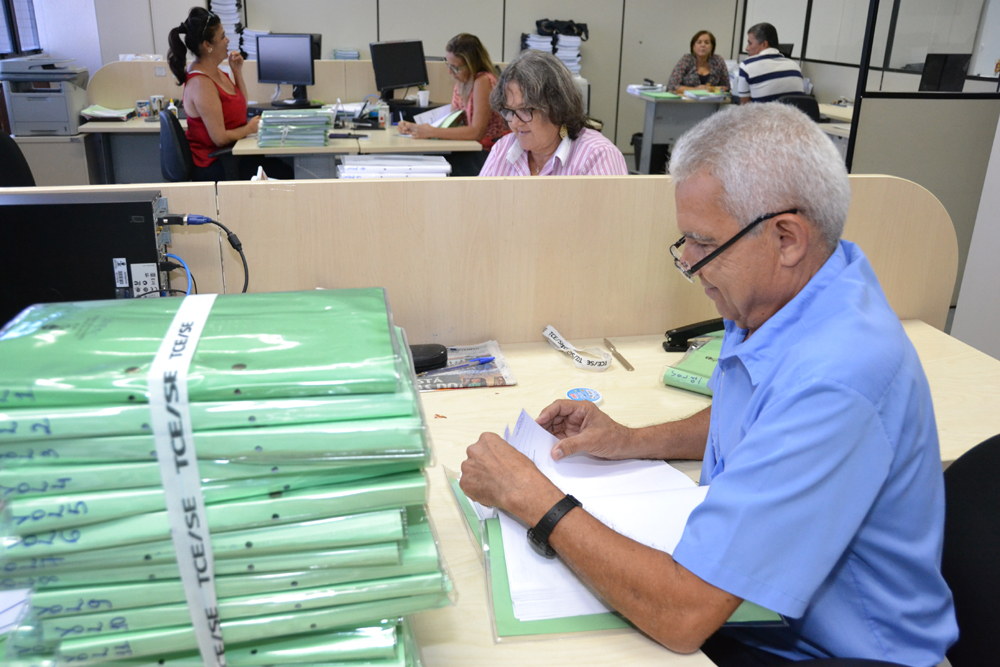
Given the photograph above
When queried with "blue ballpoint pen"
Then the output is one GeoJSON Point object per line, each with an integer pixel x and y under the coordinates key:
{"type": "Point", "coordinates": [478, 361]}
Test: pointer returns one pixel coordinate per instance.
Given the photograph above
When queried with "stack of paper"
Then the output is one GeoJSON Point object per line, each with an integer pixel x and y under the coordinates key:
{"type": "Point", "coordinates": [442, 116]}
{"type": "Point", "coordinates": [294, 127]}
{"type": "Point", "coordinates": [640, 88]}
{"type": "Point", "coordinates": [648, 501]}
{"type": "Point", "coordinates": [346, 54]}
{"type": "Point", "coordinates": [392, 166]}
{"type": "Point", "coordinates": [310, 446]}
{"type": "Point", "coordinates": [250, 42]}
{"type": "Point", "coordinates": [565, 47]}
{"type": "Point", "coordinates": [705, 95]}
{"type": "Point", "coordinates": [97, 112]}
{"type": "Point", "coordinates": [228, 12]}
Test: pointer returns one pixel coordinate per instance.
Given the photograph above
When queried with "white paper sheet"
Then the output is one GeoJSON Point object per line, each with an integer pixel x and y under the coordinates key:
{"type": "Point", "coordinates": [648, 501]}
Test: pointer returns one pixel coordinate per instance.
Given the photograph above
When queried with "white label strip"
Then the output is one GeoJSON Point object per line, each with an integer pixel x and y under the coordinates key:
{"type": "Point", "coordinates": [173, 433]}
{"type": "Point", "coordinates": [557, 341]}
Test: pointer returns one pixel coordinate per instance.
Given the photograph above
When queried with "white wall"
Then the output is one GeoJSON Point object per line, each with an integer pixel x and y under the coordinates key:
{"type": "Point", "coordinates": [977, 315]}
{"type": "Point", "coordinates": [986, 53]}
{"type": "Point", "coordinates": [68, 29]}
{"type": "Point", "coordinates": [787, 16]}
{"type": "Point", "coordinates": [934, 26]}
{"type": "Point", "coordinates": [837, 30]}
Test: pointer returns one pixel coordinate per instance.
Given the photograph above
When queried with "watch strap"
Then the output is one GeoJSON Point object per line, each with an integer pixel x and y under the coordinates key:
{"type": "Point", "coordinates": [539, 535]}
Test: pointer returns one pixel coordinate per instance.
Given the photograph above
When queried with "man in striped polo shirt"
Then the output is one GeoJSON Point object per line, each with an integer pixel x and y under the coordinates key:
{"type": "Point", "coordinates": [766, 75]}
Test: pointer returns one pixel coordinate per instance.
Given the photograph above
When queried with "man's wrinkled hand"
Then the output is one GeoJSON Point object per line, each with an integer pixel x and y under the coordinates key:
{"type": "Point", "coordinates": [582, 427]}
{"type": "Point", "coordinates": [497, 475]}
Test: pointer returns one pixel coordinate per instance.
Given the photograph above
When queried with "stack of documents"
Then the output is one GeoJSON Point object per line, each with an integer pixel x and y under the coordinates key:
{"type": "Point", "coordinates": [565, 47]}
{"type": "Point", "coordinates": [393, 166]}
{"type": "Point", "coordinates": [310, 446]}
{"type": "Point", "coordinates": [228, 12]}
{"type": "Point", "coordinates": [648, 501]}
{"type": "Point", "coordinates": [640, 88]}
{"type": "Point", "coordinates": [442, 116]}
{"type": "Point", "coordinates": [705, 95]}
{"type": "Point", "coordinates": [346, 54]}
{"type": "Point", "coordinates": [294, 127]}
{"type": "Point", "coordinates": [97, 112]}
{"type": "Point", "coordinates": [250, 42]}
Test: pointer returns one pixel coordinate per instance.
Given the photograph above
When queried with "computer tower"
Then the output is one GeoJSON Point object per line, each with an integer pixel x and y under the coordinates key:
{"type": "Point", "coordinates": [78, 246]}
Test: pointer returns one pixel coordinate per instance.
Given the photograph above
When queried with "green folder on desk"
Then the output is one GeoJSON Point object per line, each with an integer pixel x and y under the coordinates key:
{"type": "Point", "coordinates": [661, 95]}
{"type": "Point", "coordinates": [506, 625]}
{"type": "Point", "coordinates": [695, 368]}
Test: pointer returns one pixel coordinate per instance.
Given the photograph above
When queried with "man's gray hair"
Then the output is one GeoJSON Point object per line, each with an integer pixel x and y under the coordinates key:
{"type": "Point", "coordinates": [769, 158]}
{"type": "Point", "coordinates": [546, 85]}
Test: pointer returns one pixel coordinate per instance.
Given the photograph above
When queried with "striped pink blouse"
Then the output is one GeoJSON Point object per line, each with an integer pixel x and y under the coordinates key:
{"type": "Point", "coordinates": [590, 154]}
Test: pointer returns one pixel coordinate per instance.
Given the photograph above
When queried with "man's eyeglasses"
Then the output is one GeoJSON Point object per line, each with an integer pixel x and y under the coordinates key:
{"type": "Point", "coordinates": [524, 115]}
{"type": "Point", "coordinates": [689, 271]}
{"type": "Point", "coordinates": [456, 70]}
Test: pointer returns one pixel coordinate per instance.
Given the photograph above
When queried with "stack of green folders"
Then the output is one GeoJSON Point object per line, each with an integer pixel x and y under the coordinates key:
{"type": "Point", "coordinates": [294, 128]}
{"type": "Point", "coordinates": [311, 444]}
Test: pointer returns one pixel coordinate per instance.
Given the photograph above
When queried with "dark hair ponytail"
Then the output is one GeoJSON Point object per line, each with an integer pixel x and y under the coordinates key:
{"type": "Point", "coordinates": [198, 27]}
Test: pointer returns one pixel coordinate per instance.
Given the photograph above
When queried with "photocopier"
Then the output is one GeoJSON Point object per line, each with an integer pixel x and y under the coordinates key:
{"type": "Point", "coordinates": [44, 95]}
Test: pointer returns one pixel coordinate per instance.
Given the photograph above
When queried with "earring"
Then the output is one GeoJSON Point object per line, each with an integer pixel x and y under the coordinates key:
{"type": "Point", "coordinates": [563, 132]}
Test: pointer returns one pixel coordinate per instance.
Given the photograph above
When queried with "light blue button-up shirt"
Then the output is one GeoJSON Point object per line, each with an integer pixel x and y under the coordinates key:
{"type": "Point", "coordinates": [826, 501]}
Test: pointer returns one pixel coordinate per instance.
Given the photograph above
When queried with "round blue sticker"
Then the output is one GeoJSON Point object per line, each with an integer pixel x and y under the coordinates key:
{"type": "Point", "coordinates": [584, 394]}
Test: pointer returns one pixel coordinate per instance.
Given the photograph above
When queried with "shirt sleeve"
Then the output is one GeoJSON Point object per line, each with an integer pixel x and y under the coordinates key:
{"type": "Point", "coordinates": [605, 160]}
{"type": "Point", "coordinates": [677, 76]}
{"type": "Point", "coordinates": [494, 163]}
{"type": "Point", "coordinates": [742, 83]}
{"type": "Point", "coordinates": [789, 498]}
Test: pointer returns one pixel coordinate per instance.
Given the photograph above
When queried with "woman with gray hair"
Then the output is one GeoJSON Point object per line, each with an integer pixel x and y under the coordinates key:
{"type": "Point", "coordinates": [549, 134]}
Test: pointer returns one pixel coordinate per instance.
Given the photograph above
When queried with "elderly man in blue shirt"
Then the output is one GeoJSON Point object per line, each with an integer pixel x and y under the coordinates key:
{"type": "Point", "coordinates": [826, 498]}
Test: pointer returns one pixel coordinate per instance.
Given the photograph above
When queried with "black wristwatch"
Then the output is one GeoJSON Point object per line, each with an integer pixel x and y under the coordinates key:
{"type": "Point", "coordinates": [539, 535]}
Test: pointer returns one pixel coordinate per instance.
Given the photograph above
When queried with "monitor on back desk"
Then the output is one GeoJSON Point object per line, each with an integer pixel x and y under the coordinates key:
{"type": "Point", "coordinates": [398, 65]}
{"type": "Point", "coordinates": [285, 58]}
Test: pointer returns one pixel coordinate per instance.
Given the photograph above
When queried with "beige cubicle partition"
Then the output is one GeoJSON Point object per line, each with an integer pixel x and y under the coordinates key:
{"type": "Point", "coordinates": [466, 260]}
{"type": "Point", "coordinates": [119, 84]}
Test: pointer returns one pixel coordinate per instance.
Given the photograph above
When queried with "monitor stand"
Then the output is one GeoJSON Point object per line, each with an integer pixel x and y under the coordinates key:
{"type": "Point", "coordinates": [298, 100]}
{"type": "Point", "coordinates": [393, 103]}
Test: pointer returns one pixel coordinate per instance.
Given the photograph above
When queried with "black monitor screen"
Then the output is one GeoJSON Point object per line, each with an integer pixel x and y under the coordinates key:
{"type": "Point", "coordinates": [399, 64]}
{"type": "Point", "coordinates": [285, 59]}
{"type": "Point", "coordinates": [785, 49]}
{"type": "Point", "coordinates": [945, 71]}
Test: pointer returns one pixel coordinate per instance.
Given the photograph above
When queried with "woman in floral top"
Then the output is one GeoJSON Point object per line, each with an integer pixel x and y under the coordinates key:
{"type": "Point", "coordinates": [701, 69]}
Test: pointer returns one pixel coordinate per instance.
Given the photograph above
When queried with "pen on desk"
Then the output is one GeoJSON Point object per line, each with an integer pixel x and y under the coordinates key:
{"type": "Point", "coordinates": [478, 361]}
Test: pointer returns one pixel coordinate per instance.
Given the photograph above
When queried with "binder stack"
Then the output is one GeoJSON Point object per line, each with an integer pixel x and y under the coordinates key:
{"type": "Point", "coordinates": [294, 127]}
{"type": "Point", "coordinates": [310, 445]}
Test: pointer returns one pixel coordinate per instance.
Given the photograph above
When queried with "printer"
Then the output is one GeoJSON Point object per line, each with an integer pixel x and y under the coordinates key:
{"type": "Point", "coordinates": [44, 96]}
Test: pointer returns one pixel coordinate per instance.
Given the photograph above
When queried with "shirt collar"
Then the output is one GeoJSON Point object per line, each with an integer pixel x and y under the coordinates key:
{"type": "Point", "coordinates": [562, 153]}
{"type": "Point", "coordinates": [770, 341]}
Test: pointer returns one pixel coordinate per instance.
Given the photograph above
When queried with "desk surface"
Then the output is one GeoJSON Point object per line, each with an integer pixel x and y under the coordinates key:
{"type": "Point", "coordinates": [130, 126]}
{"type": "Point", "coordinates": [965, 384]}
{"type": "Point", "coordinates": [390, 141]}
{"type": "Point", "coordinates": [837, 113]}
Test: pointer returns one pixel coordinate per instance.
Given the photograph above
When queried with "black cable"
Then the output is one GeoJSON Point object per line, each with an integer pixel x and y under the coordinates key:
{"type": "Point", "coordinates": [160, 291]}
{"type": "Point", "coordinates": [234, 241]}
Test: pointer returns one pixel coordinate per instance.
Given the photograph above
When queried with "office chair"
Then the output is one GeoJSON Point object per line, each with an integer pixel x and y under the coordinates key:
{"type": "Point", "coordinates": [176, 162]}
{"type": "Point", "coordinates": [805, 103]}
{"type": "Point", "coordinates": [972, 552]}
{"type": "Point", "coordinates": [14, 169]}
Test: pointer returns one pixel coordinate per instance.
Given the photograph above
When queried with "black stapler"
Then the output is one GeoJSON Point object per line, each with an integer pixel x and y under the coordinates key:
{"type": "Point", "coordinates": [677, 339]}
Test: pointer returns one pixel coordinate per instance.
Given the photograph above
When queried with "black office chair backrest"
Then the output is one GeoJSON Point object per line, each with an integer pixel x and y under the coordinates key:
{"type": "Point", "coordinates": [972, 552]}
{"type": "Point", "coordinates": [14, 169]}
{"type": "Point", "coordinates": [176, 163]}
{"type": "Point", "coordinates": [806, 103]}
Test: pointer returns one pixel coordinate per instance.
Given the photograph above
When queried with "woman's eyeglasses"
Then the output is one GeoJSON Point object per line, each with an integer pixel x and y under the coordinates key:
{"type": "Point", "coordinates": [456, 70]}
{"type": "Point", "coordinates": [524, 115]}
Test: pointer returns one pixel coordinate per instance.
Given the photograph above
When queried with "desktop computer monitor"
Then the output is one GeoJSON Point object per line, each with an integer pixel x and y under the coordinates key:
{"type": "Point", "coordinates": [398, 65]}
{"type": "Point", "coordinates": [945, 71]}
{"type": "Point", "coordinates": [286, 58]}
{"type": "Point", "coordinates": [785, 49]}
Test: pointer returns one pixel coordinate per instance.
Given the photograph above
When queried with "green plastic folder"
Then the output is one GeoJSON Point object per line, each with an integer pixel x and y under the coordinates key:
{"type": "Point", "coordinates": [661, 95]}
{"type": "Point", "coordinates": [507, 625]}
{"type": "Point", "coordinates": [695, 369]}
{"type": "Point", "coordinates": [254, 347]}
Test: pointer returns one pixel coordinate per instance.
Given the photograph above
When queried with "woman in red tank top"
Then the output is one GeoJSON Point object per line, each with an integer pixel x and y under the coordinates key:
{"type": "Point", "coordinates": [216, 106]}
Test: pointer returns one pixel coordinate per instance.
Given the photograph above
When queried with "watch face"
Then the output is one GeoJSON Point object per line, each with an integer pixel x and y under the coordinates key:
{"type": "Point", "coordinates": [542, 548]}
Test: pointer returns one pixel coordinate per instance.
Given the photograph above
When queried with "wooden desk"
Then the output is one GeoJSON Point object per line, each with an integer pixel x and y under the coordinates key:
{"type": "Point", "coordinates": [390, 140]}
{"type": "Point", "coordinates": [964, 384]}
{"type": "Point", "coordinates": [667, 120]}
{"type": "Point", "coordinates": [127, 151]}
{"type": "Point", "coordinates": [837, 113]}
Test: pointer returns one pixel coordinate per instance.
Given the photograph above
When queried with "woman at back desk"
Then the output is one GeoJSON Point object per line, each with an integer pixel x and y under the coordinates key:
{"type": "Point", "coordinates": [475, 77]}
{"type": "Point", "coordinates": [701, 69]}
{"type": "Point", "coordinates": [215, 104]}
